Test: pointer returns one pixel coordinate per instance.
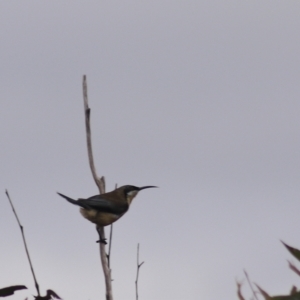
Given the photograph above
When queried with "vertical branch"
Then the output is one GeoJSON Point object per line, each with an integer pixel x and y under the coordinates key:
{"type": "Point", "coordinates": [137, 272]}
{"type": "Point", "coordinates": [109, 247]}
{"type": "Point", "coordinates": [25, 245]}
{"type": "Point", "coordinates": [105, 267]}
{"type": "Point", "coordinates": [100, 182]}
{"type": "Point", "coordinates": [110, 238]}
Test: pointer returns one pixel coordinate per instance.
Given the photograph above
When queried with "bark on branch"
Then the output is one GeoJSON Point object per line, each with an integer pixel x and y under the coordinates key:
{"type": "Point", "coordinates": [100, 182]}
{"type": "Point", "coordinates": [137, 272]}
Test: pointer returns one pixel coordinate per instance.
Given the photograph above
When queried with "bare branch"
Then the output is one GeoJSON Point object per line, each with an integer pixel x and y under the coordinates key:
{"type": "Point", "coordinates": [100, 182]}
{"type": "Point", "coordinates": [25, 245]}
{"type": "Point", "coordinates": [254, 294]}
{"type": "Point", "coordinates": [105, 267]}
{"type": "Point", "coordinates": [137, 272]}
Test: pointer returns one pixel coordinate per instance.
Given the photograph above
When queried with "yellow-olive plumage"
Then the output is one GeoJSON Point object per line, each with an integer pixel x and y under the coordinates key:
{"type": "Point", "coordinates": [107, 208]}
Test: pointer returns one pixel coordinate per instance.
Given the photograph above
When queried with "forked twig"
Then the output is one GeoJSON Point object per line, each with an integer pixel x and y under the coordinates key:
{"type": "Point", "coordinates": [100, 182]}
{"type": "Point", "coordinates": [25, 245]}
{"type": "Point", "coordinates": [137, 272]}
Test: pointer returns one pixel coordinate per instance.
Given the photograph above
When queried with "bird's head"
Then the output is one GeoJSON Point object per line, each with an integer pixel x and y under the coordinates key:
{"type": "Point", "coordinates": [130, 191]}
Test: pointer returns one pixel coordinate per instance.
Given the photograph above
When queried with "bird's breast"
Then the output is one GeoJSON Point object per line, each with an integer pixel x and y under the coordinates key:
{"type": "Point", "coordinates": [99, 218]}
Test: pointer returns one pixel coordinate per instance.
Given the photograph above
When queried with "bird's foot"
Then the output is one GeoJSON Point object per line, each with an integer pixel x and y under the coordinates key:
{"type": "Point", "coordinates": [102, 241]}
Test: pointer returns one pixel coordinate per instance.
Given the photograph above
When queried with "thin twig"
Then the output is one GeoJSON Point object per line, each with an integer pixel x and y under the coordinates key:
{"type": "Point", "coordinates": [109, 247]}
{"type": "Point", "coordinates": [137, 272]}
{"type": "Point", "coordinates": [110, 238]}
{"type": "Point", "coordinates": [100, 182]}
{"type": "Point", "coordinates": [254, 294]}
{"type": "Point", "coordinates": [25, 245]}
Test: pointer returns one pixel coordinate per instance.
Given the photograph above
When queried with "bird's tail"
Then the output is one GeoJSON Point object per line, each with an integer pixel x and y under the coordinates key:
{"type": "Point", "coordinates": [69, 199]}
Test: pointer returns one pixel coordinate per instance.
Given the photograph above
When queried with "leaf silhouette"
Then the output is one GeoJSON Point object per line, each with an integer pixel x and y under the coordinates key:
{"type": "Point", "coordinates": [294, 251]}
{"type": "Point", "coordinates": [7, 291]}
{"type": "Point", "coordinates": [48, 296]}
{"type": "Point", "coordinates": [239, 292]}
{"type": "Point", "coordinates": [293, 296]}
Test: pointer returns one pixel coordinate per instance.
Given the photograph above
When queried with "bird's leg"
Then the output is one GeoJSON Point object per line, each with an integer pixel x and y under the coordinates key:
{"type": "Point", "coordinates": [101, 239]}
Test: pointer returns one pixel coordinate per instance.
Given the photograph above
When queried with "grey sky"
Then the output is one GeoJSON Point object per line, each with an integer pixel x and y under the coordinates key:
{"type": "Point", "coordinates": [200, 98]}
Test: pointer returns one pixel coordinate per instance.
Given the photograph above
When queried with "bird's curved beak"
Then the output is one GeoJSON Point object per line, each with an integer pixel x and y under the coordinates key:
{"type": "Point", "coordinates": [147, 187]}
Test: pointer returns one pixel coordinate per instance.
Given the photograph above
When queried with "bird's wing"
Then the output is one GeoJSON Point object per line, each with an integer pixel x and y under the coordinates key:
{"type": "Point", "coordinates": [101, 204]}
{"type": "Point", "coordinates": [98, 203]}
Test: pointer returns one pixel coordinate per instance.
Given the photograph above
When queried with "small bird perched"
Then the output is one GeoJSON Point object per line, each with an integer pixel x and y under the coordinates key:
{"type": "Point", "coordinates": [107, 208]}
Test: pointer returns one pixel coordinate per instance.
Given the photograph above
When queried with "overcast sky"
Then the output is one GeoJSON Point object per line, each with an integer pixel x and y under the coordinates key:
{"type": "Point", "coordinates": [201, 98]}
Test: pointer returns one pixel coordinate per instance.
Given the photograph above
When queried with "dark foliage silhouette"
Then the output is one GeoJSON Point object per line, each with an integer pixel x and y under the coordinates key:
{"type": "Point", "coordinates": [7, 291]}
{"type": "Point", "coordinates": [50, 295]}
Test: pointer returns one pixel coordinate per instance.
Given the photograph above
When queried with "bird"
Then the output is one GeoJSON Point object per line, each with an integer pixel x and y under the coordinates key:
{"type": "Point", "coordinates": [105, 209]}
